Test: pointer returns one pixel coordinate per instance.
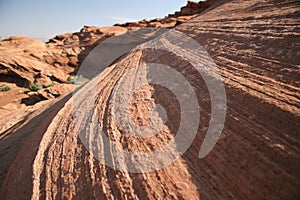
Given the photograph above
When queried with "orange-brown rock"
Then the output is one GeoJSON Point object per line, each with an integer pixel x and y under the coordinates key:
{"type": "Point", "coordinates": [255, 47]}
{"type": "Point", "coordinates": [190, 9]}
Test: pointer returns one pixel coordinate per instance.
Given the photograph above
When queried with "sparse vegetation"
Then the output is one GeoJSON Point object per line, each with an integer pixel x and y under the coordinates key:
{"type": "Point", "coordinates": [75, 79]}
{"type": "Point", "coordinates": [35, 87]}
{"type": "Point", "coordinates": [21, 92]}
{"type": "Point", "coordinates": [25, 50]}
{"type": "Point", "coordinates": [50, 85]}
{"type": "Point", "coordinates": [18, 100]}
{"type": "Point", "coordinates": [4, 87]}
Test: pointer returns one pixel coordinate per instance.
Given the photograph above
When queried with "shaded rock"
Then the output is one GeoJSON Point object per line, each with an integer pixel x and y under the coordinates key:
{"type": "Point", "coordinates": [58, 90]}
{"type": "Point", "coordinates": [61, 60]}
{"type": "Point", "coordinates": [190, 9]}
{"type": "Point", "coordinates": [63, 36]}
{"type": "Point", "coordinates": [58, 76]}
{"type": "Point", "coordinates": [49, 59]}
{"type": "Point", "coordinates": [73, 61]}
{"type": "Point", "coordinates": [34, 98]}
{"type": "Point", "coordinates": [45, 95]}
{"type": "Point", "coordinates": [93, 29]}
{"type": "Point", "coordinates": [45, 80]}
{"type": "Point", "coordinates": [73, 51]}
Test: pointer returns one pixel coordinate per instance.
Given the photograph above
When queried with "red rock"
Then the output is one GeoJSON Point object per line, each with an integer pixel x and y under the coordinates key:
{"type": "Point", "coordinates": [61, 60]}
{"type": "Point", "coordinates": [73, 61]}
{"type": "Point", "coordinates": [256, 157]}
{"type": "Point", "coordinates": [45, 80]}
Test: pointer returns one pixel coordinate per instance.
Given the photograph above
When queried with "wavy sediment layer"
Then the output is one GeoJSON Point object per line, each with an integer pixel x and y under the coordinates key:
{"type": "Point", "coordinates": [254, 45]}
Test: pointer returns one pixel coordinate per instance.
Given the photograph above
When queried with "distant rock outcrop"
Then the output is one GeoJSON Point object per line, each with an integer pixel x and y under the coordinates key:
{"type": "Point", "coordinates": [186, 13]}
{"type": "Point", "coordinates": [194, 8]}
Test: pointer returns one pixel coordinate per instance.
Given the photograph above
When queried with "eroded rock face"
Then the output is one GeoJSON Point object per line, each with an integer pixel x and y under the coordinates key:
{"type": "Point", "coordinates": [255, 47]}
{"type": "Point", "coordinates": [186, 13]}
{"type": "Point", "coordinates": [190, 9]}
{"type": "Point", "coordinates": [25, 61]}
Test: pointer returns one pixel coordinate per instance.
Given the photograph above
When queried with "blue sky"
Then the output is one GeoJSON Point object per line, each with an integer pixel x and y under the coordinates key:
{"type": "Point", "coordinates": [46, 18]}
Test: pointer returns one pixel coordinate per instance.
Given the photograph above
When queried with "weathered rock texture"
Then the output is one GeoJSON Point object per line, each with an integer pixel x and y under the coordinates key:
{"type": "Point", "coordinates": [255, 45]}
{"type": "Point", "coordinates": [25, 61]}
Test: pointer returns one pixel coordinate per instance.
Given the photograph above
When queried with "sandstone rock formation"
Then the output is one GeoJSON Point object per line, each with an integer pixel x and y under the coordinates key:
{"type": "Point", "coordinates": [186, 13]}
{"type": "Point", "coordinates": [255, 47]}
{"type": "Point", "coordinates": [194, 8]}
{"type": "Point", "coordinates": [25, 61]}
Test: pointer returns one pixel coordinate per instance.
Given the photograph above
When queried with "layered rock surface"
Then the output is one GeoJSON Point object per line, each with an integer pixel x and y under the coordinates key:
{"type": "Point", "coordinates": [26, 61]}
{"type": "Point", "coordinates": [255, 46]}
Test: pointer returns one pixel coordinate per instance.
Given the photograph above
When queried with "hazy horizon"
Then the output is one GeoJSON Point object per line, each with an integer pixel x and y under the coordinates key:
{"type": "Point", "coordinates": [45, 19]}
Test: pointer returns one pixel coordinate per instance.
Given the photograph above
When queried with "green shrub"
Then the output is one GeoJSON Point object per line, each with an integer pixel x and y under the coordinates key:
{"type": "Point", "coordinates": [25, 50]}
{"type": "Point", "coordinates": [35, 87]}
{"type": "Point", "coordinates": [75, 79]}
{"type": "Point", "coordinates": [4, 87]}
{"type": "Point", "coordinates": [50, 85]}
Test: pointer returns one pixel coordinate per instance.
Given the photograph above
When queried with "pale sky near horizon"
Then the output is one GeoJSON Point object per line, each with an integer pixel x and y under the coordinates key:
{"type": "Point", "coordinates": [45, 18]}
